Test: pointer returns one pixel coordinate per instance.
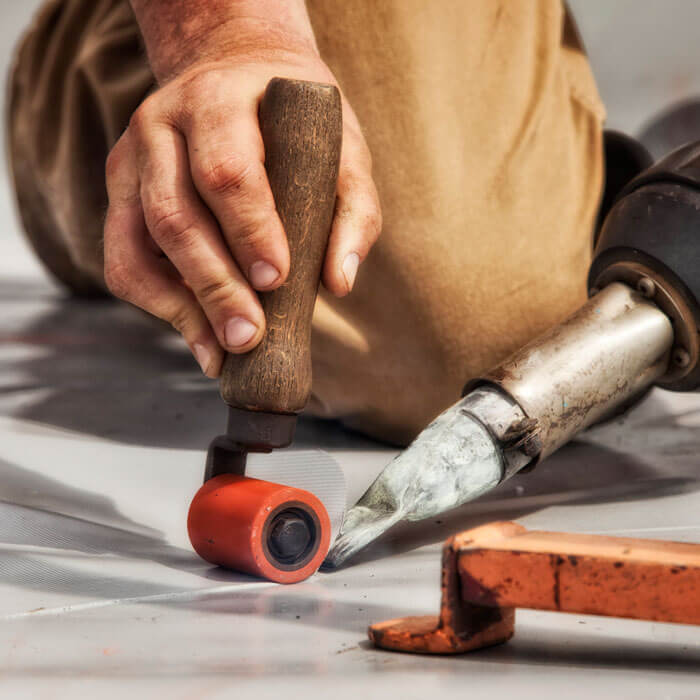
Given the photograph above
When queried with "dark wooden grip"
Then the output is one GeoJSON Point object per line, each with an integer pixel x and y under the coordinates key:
{"type": "Point", "coordinates": [301, 125]}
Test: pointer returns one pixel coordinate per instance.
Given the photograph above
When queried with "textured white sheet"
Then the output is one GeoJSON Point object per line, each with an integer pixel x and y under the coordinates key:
{"type": "Point", "coordinates": [104, 420]}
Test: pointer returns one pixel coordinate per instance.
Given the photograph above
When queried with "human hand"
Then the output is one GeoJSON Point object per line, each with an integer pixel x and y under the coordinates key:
{"type": "Point", "coordinates": [191, 229]}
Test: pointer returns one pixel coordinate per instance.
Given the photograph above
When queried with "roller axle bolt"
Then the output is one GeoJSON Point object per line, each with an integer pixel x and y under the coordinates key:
{"type": "Point", "coordinates": [290, 536]}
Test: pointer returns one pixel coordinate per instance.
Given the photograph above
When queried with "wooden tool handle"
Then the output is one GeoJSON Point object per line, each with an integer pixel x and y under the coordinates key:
{"type": "Point", "coordinates": [301, 125]}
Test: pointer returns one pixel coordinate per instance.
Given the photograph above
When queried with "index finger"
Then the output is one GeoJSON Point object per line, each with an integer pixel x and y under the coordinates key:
{"type": "Point", "coordinates": [227, 164]}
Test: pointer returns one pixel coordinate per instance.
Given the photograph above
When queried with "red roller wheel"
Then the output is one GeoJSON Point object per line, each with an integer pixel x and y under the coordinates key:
{"type": "Point", "coordinates": [277, 532]}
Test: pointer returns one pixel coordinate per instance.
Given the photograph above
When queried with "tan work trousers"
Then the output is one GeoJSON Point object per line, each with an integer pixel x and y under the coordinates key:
{"type": "Point", "coordinates": [485, 127]}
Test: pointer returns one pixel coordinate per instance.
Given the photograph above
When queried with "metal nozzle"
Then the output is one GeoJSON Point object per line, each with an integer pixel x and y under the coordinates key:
{"type": "Point", "coordinates": [464, 452]}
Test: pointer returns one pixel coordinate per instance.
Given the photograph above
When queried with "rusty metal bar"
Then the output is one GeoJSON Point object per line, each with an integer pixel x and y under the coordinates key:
{"type": "Point", "coordinates": [490, 571]}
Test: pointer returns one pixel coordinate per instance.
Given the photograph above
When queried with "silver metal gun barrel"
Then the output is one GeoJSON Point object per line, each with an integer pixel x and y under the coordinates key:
{"type": "Point", "coordinates": [609, 352]}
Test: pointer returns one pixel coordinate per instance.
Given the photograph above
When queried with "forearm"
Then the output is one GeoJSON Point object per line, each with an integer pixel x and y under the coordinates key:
{"type": "Point", "coordinates": [179, 32]}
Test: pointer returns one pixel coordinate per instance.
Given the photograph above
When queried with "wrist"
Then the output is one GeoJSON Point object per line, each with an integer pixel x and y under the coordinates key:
{"type": "Point", "coordinates": [180, 33]}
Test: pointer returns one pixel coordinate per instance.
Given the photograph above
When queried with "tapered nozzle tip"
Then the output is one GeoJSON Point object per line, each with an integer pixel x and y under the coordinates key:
{"type": "Point", "coordinates": [362, 525]}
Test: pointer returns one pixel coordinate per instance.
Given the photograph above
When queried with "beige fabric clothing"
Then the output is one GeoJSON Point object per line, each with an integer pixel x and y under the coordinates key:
{"type": "Point", "coordinates": [485, 127]}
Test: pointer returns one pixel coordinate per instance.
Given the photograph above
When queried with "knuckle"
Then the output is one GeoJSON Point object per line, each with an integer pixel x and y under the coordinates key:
{"type": "Point", "coordinates": [250, 231]}
{"type": "Point", "coordinates": [179, 319]}
{"type": "Point", "coordinates": [227, 175]}
{"type": "Point", "coordinates": [169, 221]}
{"type": "Point", "coordinates": [216, 292]}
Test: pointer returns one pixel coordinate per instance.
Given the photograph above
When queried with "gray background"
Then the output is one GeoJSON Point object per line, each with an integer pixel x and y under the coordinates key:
{"type": "Point", "coordinates": [645, 55]}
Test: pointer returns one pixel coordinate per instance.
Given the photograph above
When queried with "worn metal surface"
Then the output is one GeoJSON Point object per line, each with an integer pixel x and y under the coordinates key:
{"type": "Point", "coordinates": [491, 570]}
{"type": "Point", "coordinates": [457, 629]}
{"type": "Point", "coordinates": [673, 301]}
{"type": "Point", "coordinates": [609, 351]}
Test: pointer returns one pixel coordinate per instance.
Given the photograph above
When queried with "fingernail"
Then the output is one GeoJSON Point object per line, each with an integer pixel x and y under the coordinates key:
{"type": "Point", "coordinates": [262, 274]}
{"type": "Point", "coordinates": [239, 331]}
{"type": "Point", "coordinates": [202, 355]}
{"type": "Point", "coordinates": [350, 265]}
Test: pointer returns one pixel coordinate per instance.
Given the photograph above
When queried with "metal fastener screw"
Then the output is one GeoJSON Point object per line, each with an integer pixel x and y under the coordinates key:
{"type": "Point", "coordinates": [646, 287]}
{"type": "Point", "coordinates": [681, 357]}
